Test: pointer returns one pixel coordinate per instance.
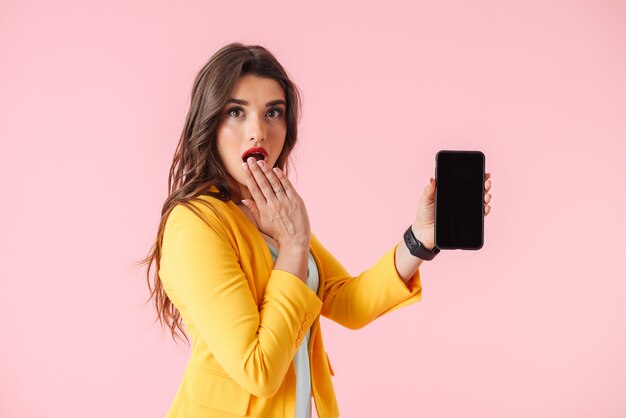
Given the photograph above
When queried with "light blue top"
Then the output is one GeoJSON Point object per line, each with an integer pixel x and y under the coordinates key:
{"type": "Point", "coordinates": [301, 360]}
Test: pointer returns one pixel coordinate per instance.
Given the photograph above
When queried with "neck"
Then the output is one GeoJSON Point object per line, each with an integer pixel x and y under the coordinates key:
{"type": "Point", "coordinates": [242, 193]}
{"type": "Point", "coordinates": [238, 191]}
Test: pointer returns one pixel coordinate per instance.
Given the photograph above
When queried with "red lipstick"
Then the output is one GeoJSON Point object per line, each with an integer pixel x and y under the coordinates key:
{"type": "Point", "coordinates": [255, 150]}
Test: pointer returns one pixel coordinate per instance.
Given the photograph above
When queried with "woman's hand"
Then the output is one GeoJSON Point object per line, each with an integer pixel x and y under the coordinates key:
{"type": "Point", "coordinates": [277, 208]}
{"type": "Point", "coordinates": [424, 225]}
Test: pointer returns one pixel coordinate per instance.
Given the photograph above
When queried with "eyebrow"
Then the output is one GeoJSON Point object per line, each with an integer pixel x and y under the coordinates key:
{"type": "Point", "coordinates": [244, 102]}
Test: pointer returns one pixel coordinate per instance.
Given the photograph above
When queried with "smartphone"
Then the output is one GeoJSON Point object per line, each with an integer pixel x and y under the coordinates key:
{"type": "Point", "coordinates": [459, 197]}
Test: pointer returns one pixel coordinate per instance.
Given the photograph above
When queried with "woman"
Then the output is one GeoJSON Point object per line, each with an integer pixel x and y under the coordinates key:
{"type": "Point", "coordinates": [236, 259]}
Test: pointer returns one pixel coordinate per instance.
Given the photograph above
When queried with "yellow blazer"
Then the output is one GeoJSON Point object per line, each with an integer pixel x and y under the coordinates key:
{"type": "Point", "coordinates": [246, 320]}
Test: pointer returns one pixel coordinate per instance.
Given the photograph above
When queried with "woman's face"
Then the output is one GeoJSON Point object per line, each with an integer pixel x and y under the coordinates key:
{"type": "Point", "coordinates": [254, 117]}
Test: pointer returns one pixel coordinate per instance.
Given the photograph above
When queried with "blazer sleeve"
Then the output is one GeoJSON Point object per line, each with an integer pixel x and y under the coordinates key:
{"type": "Point", "coordinates": [200, 269]}
{"type": "Point", "coordinates": [356, 301]}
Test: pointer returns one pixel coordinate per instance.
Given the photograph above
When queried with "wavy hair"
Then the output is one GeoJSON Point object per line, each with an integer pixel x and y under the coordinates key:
{"type": "Point", "coordinates": [196, 166]}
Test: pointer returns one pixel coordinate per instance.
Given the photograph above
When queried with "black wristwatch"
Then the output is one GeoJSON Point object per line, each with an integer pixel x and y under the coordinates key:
{"type": "Point", "coordinates": [416, 248]}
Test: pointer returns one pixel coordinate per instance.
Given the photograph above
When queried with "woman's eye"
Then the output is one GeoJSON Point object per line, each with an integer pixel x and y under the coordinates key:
{"type": "Point", "coordinates": [234, 109]}
{"type": "Point", "coordinates": [278, 112]}
{"type": "Point", "coordinates": [274, 112]}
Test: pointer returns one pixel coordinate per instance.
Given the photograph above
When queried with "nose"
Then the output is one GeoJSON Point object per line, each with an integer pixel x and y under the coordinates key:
{"type": "Point", "coordinates": [256, 128]}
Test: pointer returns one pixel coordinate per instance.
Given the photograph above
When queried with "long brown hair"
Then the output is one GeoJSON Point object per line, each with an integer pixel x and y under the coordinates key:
{"type": "Point", "coordinates": [196, 166]}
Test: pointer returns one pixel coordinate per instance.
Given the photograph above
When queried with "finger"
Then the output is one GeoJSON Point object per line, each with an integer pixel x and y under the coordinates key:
{"type": "Point", "coordinates": [487, 185]}
{"type": "Point", "coordinates": [487, 198]}
{"type": "Point", "coordinates": [261, 179]}
{"type": "Point", "coordinates": [290, 191]}
{"type": "Point", "coordinates": [253, 187]}
{"type": "Point", "coordinates": [429, 190]}
{"type": "Point", "coordinates": [273, 180]}
{"type": "Point", "coordinates": [487, 210]}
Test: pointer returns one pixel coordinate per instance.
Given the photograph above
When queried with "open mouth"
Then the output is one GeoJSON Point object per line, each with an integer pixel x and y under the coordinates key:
{"type": "Point", "coordinates": [258, 153]}
{"type": "Point", "coordinates": [257, 156]}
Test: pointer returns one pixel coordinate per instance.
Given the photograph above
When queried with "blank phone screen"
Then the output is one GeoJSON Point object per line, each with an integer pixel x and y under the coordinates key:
{"type": "Point", "coordinates": [459, 210]}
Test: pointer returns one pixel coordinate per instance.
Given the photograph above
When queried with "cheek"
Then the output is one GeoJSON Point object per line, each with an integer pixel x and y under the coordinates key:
{"type": "Point", "coordinates": [225, 134]}
{"type": "Point", "coordinates": [228, 144]}
{"type": "Point", "coordinates": [279, 137]}
{"type": "Point", "coordinates": [279, 126]}
{"type": "Point", "coordinates": [229, 153]}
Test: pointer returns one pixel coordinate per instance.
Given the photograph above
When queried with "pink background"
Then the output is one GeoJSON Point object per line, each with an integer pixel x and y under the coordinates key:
{"type": "Point", "coordinates": [92, 102]}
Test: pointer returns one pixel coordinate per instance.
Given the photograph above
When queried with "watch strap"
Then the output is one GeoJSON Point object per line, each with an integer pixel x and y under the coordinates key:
{"type": "Point", "coordinates": [416, 248]}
